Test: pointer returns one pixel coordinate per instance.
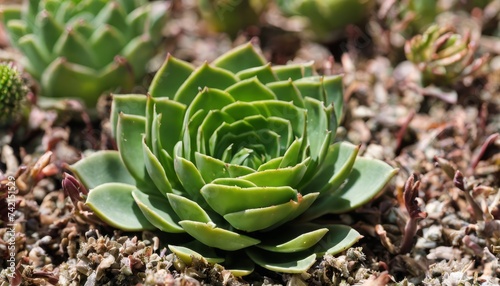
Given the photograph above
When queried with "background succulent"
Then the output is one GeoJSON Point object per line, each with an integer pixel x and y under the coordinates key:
{"type": "Point", "coordinates": [12, 91]}
{"type": "Point", "coordinates": [238, 154]}
{"type": "Point", "coordinates": [324, 17]}
{"type": "Point", "coordinates": [443, 56]}
{"type": "Point", "coordinates": [81, 48]}
{"type": "Point", "coordinates": [231, 16]}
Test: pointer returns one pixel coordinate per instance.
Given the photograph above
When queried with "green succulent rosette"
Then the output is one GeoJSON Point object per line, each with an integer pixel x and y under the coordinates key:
{"type": "Point", "coordinates": [239, 155]}
{"type": "Point", "coordinates": [324, 17]}
{"type": "Point", "coordinates": [443, 55]}
{"type": "Point", "coordinates": [81, 48]}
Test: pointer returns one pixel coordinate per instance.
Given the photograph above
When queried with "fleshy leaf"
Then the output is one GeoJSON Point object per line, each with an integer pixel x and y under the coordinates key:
{"type": "Point", "coordinates": [209, 234]}
{"type": "Point", "coordinates": [229, 199]}
{"type": "Point", "coordinates": [283, 262]}
{"type": "Point", "coordinates": [250, 90]}
{"type": "Point", "coordinates": [289, 176]}
{"type": "Point", "coordinates": [100, 168]}
{"type": "Point", "coordinates": [338, 239]}
{"type": "Point", "coordinates": [195, 249]}
{"type": "Point", "coordinates": [158, 211]}
{"type": "Point", "coordinates": [114, 204]}
{"type": "Point", "coordinates": [202, 77]}
{"type": "Point", "coordinates": [367, 178]}
{"type": "Point", "coordinates": [129, 133]}
{"type": "Point", "coordinates": [293, 238]}
{"type": "Point", "coordinates": [187, 209]}
{"type": "Point", "coordinates": [170, 77]}
{"type": "Point", "coordinates": [240, 58]}
{"type": "Point", "coordinates": [335, 169]}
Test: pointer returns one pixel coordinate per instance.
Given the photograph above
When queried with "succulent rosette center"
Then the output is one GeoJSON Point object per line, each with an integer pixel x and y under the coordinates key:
{"type": "Point", "coordinates": [239, 155]}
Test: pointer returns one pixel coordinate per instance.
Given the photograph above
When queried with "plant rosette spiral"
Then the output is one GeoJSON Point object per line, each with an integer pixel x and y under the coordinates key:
{"type": "Point", "coordinates": [238, 158]}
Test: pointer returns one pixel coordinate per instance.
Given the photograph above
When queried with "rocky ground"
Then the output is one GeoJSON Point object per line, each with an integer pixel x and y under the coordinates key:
{"type": "Point", "coordinates": [447, 139]}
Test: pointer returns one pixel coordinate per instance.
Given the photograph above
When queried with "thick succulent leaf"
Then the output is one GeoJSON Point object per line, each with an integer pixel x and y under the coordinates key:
{"type": "Point", "coordinates": [289, 176]}
{"type": "Point", "coordinates": [285, 110]}
{"type": "Point", "coordinates": [240, 58]}
{"type": "Point", "coordinates": [338, 239]}
{"type": "Point", "coordinates": [317, 127]}
{"type": "Point", "coordinates": [208, 99]}
{"type": "Point", "coordinates": [112, 14]}
{"type": "Point", "coordinates": [133, 104]}
{"type": "Point", "coordinates": [239, 110]}
{"type": "Point", "coordinates": [292, 238]}
{"type": "Point", "coordinates": [303, 203]}
{"type": "Point", "coordinates": [334, 170]}
{"type": "Point", "coordinates": [210, 235]}
{"type": "Point", "coordinates": [234, 182]}
{"type": "Point", "coordinates": [250, 90]}
{"type": "Point", "coordinates": [268, 217]}
{"type": "Point", "coordinates": [294, 71]}
{"type": "Point", "coordinates": [282, 262]}
{"type": "Point", "coordinates": [229, 199]}
{"type": "Point", "coordinates": [129, 140]}
{"type": "Point", "coordinates": [334, 94]}
{"type": "Point", "coordinates": [75, 49]}
{"type": "Point", "coordinates": [106, 42]}
{"type": "Point", "coordinates": [138, 51]}
{"type": "Point", "coordinates": [287, 91]}
{"type": "Point", "coordinates": [50, 30]}
{"type": "Point", "coordinates": [271, 164]}
{"type": "Point", "coordinates": [172, 74]}
{"type": "Point", "coordinates": [158, 211]}
{"type": "Point", "coordinates": [204, 76]}
{"type": "Point", "coordinates": [367, 178]}
{"type": "Point", "coordinates": [113, 203]}
{"type": "Point", "coordinates": [264, 74]}
{"type": "Point", "coordinates": [100, 168]}
{"type": "Point", "coordinates": [292, 154]}
{"type": "Point", "coordinates": [189, 176]}
{"type": "Point", "coordinates": [37, 56]}
{"type": "Point", "coordinates": [155, 170]}
{"type": "Point", "coordinates": [195, 249]}
{"type": "Point", "coordinates": [187, 209]}
{"type": "Point", "coordinates": [170, 123]}
{"type": "Point", "coordinates": [210, 168]}
{"type": "Point", "coordinates": [17, 29]}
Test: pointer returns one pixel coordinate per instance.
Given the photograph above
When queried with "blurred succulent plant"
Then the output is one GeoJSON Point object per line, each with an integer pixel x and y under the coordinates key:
{"type": "Point", "coordinates": [81, 48]}
{"type": "Point", "coordinates": [231, 16]}
{"type": "Point", "coordinates": [12, 91]}
{"type": "Point", "coordinates": [324, 17]}
{"type": "Point", "coordinates": [443, 56]}
{"type": "Point", "coordinates": [238, 154]}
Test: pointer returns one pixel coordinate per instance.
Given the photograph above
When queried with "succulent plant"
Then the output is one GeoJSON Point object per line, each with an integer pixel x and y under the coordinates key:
{"type": "Point", "coordinates": [238, 154]}
{"type": "Point", "coordinates": [326, 16]}
{"type": "Point", "coordinates": [231, 16]}
{"type": "Point", "coordinates": [444, 56]}
{"type": "Point", "coordinates": [12, 91]}
{"type": "Point", "coordinates": [81, 48]}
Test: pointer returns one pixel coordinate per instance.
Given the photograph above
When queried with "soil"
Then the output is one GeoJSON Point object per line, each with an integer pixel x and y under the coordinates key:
{"type": "Point", "coordinates": [429, 132]}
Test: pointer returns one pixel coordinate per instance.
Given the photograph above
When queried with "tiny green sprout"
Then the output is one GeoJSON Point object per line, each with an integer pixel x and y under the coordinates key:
{"type": "Point", "coordinates": [240, 157]}
{"type": "Point", "coordinates": [12, 90]}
